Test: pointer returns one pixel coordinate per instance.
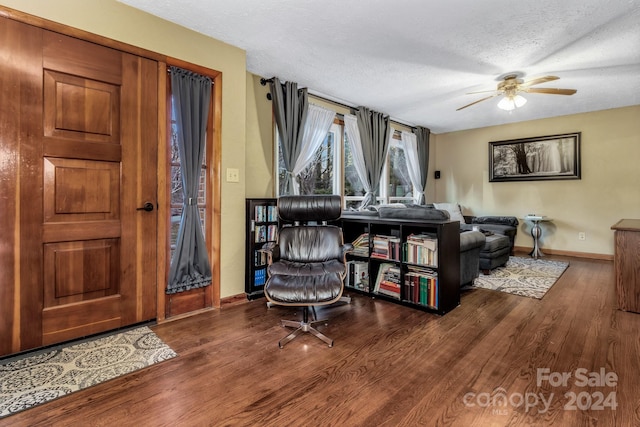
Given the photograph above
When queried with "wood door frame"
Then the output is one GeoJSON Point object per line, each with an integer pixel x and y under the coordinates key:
{"type": "Point", "coordinates": [215, 159]}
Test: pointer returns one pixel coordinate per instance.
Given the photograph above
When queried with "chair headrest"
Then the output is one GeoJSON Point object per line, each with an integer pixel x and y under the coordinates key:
{"type": "Point", "coordinates": [309, 208]}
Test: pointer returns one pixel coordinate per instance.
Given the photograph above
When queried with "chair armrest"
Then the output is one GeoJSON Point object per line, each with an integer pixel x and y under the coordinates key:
{"type": "Point", "coordinates": [469, 219]}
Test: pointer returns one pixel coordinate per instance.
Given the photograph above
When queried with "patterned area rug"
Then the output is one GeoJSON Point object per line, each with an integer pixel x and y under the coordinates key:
{"type": "Point", "coordinates": [46, 375]}
{"type": "Point", "coordinates": [526, 277]}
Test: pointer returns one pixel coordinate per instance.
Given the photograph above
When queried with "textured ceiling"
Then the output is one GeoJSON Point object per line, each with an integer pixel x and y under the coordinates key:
{"type": "Point", "coordinates": [417, 59]}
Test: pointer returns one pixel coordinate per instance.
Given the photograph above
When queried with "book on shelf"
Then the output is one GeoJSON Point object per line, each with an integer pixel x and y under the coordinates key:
{"type": "Point", "coordinates": [358, 275]}
{"type": "Point", "coordinates": [260, 213]}
{"type": "Point", "coordinates": [266, 213]}
{"type": "Point", "coordinates": [388, 280]}
{"type": "Point", "coordinates": [260, 277]}
{"type": "Point", "coordinates": [260, 233]}
{"type": "Point", "coordinates": [421, 249]}
{"type": "Point", "coordinates": [361, 245]}
{"type": "Point", "coordinates": [260, 258]}
{"type": "Point", "coordinates": [272, 233]}
{"type": "Point", "coordinates": [272, 213]}
{"type": "Point", "coordinates": [386, 247]}
{"type": "Point", "coordinates": [421, 287]}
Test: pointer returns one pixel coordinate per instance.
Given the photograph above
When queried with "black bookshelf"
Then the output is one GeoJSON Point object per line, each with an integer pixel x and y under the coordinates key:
{"type": "Point", "coordinates": [261, 227]}
{"type": "Point", "coordinates": [414, 263]}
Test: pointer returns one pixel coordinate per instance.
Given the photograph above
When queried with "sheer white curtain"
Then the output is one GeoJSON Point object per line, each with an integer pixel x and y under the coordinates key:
{"type": "Point", "coordinates": [319, 121]}
{"type": "Point", "coordinates": [353, 135]}
{"type": "Point", "coordinates": [410, 147]}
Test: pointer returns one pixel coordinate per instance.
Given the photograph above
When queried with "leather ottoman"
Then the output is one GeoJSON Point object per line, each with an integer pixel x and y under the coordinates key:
{"type": "Point", "coordinates": [494, 253]}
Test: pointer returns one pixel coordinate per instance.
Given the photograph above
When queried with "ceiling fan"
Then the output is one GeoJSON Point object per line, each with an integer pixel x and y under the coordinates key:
{"type": "Point", "coordinates": [512, 86]}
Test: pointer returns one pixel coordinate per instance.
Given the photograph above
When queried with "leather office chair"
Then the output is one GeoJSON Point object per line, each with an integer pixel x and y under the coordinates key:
{"type": "Point", "coordinates": [306, 266]}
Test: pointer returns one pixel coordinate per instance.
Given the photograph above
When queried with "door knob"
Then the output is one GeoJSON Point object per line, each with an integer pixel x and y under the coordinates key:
{"type": "Point", "coordinates": [148, 207]}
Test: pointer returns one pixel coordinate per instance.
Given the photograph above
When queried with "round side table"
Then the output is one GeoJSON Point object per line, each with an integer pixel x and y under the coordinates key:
{"type": "Point", "coordinates": [536, 233]}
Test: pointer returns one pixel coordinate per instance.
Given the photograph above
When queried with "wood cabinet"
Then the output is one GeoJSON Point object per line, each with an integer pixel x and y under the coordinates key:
{"type": "Point", "coordinates": [627, 264]}
{"type": "Point", "coordinates": [262, 227]}
{"type": "Point", "coordinates": [420, 260]}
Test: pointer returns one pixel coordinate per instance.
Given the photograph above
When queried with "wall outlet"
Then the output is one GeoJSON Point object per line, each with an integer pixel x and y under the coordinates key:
{"type": "Point", "coordinates": [233, 175]}
{"type": "Point", "coordinates": [582, 235]}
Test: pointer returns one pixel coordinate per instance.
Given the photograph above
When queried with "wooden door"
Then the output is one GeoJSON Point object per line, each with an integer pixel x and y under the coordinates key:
{"type": "Point", "coordinates": [87, 144]}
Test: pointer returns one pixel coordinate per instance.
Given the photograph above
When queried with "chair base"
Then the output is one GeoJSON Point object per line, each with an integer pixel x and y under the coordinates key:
{"type": "Point", "coordinates": [303, 327]}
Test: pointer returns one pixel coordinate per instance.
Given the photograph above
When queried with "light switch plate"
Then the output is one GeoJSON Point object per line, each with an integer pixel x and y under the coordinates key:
{"type": "Point", "coordinates": [233, 175]}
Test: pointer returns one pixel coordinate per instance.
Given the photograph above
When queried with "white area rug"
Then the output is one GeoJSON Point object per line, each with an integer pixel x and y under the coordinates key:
{"type": "Point", "coordinates": [34, 379]}
{"type": "Point", "coordinates": [526, 277]}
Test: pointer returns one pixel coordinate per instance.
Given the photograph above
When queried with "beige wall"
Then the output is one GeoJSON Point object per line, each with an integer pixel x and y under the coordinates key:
{"type": "Point", "coordinates": [117, 21]}
{"type": "Point", "coordinates": [259, 150]}
{"type": "Point", "coordinates": [608, 191]}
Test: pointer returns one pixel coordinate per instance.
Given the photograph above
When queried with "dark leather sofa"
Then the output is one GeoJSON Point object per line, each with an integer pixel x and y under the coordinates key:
{"type": "Point", "coordinates": [505, 225]}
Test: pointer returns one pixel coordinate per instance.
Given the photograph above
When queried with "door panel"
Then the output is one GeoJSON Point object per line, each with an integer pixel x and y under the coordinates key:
{"type": "Point", "coordinates": [80, 190]}
{"type": "Point", "coordinates": [81, 108]}
{"type": "Point", "coordinates": [80, 270]}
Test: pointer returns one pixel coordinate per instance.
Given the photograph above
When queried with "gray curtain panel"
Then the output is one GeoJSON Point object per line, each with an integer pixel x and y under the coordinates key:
{"type": "Point", "coordinates": [374, 135]}
{"type": "Point", "coordinates": [290, 107]}
{"type": "Point", "coordinates": [422, 138]}
{"type": "Point", "coordinates": [190, 267]}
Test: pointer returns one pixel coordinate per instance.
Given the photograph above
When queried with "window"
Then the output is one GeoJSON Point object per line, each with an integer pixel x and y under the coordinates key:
{"type": "Point", "coordinates": [321, 176]}
{"type": "Point", "coordinates": [399, 187]}
{"type": "Point", "coordinates": [353, 188]}
{"type": "Point", "coordinates": [332, 172]}
{"type": "Point", "coordinates": [176, 187]}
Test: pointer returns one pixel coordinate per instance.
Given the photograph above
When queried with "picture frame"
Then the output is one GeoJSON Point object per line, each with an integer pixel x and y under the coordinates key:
{"type": "Point", "coordinates": [539, 158]}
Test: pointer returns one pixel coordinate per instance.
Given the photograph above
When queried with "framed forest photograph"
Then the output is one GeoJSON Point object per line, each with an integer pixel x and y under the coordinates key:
{"type": "Point", "coordinates": [538, 158]}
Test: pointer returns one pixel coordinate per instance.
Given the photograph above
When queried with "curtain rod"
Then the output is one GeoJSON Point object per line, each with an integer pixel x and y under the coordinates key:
{"type": "Point", "coordinates": [264, 82]}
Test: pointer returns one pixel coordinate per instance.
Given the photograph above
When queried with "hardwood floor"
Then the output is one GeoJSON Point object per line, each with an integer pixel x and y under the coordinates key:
{"type": "Point", "coordinates": [390, 366]}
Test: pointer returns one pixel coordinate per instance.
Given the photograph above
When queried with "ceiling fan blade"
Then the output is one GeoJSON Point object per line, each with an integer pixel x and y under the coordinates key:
{"type": "Point", "coordinates": [475, 102]}
{"type": "Point", "coordinates": [539, 80]}
{"type": "Point", "coordinates": [551, 91]}
{"type": "Point", "coordinates": [481, 91]}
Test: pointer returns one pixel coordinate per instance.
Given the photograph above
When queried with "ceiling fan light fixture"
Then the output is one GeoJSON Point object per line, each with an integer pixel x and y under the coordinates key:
{"type": "Point", "coordinates": [511, 87]}
{"type": "Point", "coordinates": [509, 103]}
{"type": "Point", "coordinates": [519, 100]}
